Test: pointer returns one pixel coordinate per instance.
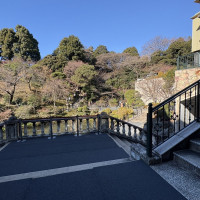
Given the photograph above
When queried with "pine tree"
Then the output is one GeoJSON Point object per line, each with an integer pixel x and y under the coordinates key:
{"type": "Point", "coordinates": [26, 46]}
{"type": "Point", "coordinates": [70, 48]}
{"type": "Point", "coordinates": [7, 38]}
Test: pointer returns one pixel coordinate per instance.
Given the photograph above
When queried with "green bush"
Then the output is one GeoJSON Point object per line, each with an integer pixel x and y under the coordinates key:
{"type": "Point", "coordinates": [24, 111]}
{"type": "Point", "coordinates": [113, 102]}
{"type": "Point", "coordinates": [122, 113]}
{"type": "Point", "coordinates": [83, 110]}
{"type": "Point", "coordinates": [58, 75]}
{"type": "Point", "coordinates": [107, 110]}
{"type": "Point", "coordinates": [34, 101]}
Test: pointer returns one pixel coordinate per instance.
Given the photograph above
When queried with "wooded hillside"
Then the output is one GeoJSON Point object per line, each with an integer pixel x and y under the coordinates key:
{"type": "Point", "coordinates": [78, 80]}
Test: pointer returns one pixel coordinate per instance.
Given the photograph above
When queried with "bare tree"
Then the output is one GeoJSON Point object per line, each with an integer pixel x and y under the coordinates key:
{"type": "Point", "coordinates": [156, 44]}
{"type": "Point", "coordinates": [70, 68]}
{"type": "Point", "coordinates": [152, 90]}
{"type": "Point", "coordinates": [135, 64]}
{"type": "Point", "coordinates": [55, 89]}
{"type": "Point", "coordinates": [11, 73]}
{"type": "Point", "coordinates": [37, 76]}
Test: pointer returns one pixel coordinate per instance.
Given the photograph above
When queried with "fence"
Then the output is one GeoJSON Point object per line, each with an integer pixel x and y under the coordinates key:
{"type": "Point", "coordinates": [20, 129]}
{"type": "Point", "coordinates": [191, 60]}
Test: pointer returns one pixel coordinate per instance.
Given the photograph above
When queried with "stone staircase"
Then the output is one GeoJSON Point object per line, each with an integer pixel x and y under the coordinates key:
{"type": "Point", "coordinates": [189, 159]}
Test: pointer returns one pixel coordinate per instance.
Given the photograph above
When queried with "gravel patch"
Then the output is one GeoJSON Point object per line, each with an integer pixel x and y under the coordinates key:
{"type": "Point", "coordinates": [186, 182]}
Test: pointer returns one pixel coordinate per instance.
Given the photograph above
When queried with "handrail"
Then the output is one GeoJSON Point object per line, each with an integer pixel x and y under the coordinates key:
{"type": "Point", "coordinates": [119, 120]}
{"type": "Point", "coordinates": [20, 129]}
{"type": "Point", "coordinates": [172, 115]}
{"type": "Point", "coordinates": [188, 61]}
{"type": "Point", "coordinates": [175, 95]}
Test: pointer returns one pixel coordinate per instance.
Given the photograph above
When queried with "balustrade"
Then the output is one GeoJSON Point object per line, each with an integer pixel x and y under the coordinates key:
{"type": "Point", "coordinates": [2, 125]}
{"type": "Point", "coordinates": [76, 125]}
{"type": "Point", "coordinates": [124, 129]}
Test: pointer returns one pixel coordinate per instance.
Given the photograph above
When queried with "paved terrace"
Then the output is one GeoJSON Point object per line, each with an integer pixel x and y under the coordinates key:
{"type": "Point", "coordinates": [68, 167]}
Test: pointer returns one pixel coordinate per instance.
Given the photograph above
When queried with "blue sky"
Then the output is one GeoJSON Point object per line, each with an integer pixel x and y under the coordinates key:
{"type": "Point", "coordinates": [117, 24]}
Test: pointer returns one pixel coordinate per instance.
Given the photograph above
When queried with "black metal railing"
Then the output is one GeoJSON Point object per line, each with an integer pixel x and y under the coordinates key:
{"type": "Point", "coordinates": [191, 60]}
{"type": "Point", "coordinates": [171, 116]}
{"type": "Point", "coordinates": [21, 129]}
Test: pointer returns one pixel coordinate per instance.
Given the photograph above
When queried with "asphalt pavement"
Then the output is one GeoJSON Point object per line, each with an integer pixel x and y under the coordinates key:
{"type": "Point", "coordinates": [129, 180]}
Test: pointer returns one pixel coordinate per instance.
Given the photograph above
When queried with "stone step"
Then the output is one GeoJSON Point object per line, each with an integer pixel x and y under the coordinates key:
{"type": "Point", "coordinates": [195, 144]}
{"type": "Point", "coordinates": [188, 159]}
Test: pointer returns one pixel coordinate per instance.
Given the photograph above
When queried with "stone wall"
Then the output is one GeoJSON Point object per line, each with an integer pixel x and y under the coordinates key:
{"type": "Point", "coordinates": [184, 78]}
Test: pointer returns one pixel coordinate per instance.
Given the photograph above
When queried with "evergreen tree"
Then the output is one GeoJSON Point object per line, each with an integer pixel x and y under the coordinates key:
{"type": "Point", "coordinates": [131, 51]}
{"type": "Point", "coordinates": [101, 49]}
{"type": "Point", "coordinates": [70, 48]}
{"type": "Point", "coordinates": [179, 47]}
{"type": "Point", "coordinates": [26, 46]}
{"type": "Point", "coordinates": [7, 38]}
{"type": "Point", "coordinates": [53, 62]}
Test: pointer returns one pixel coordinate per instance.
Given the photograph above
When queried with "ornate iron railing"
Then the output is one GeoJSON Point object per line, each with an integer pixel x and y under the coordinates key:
{"type": "Point", "coordinates": [191, 60]}
{"type": "Point", "coordinates": [171, 116]}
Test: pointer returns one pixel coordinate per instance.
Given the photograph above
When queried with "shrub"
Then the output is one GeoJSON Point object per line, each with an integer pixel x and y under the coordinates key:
{"type": "Point", "coordinates": [113, 102]}
{"type": "Point", "coordinates": [24, 111]}
{"type": "Point", "coordinates": [122, 113]}
{"type": "Point", "coordinates": [34, 101]}
{"type": "Point", "coordinates": [107, 110]}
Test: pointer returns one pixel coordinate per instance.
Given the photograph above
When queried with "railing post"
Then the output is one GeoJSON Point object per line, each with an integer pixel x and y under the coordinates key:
{"type": "Point", "coordinates": [198, 101]}
{"type": "Point", "coordinates": [25, 129]}
{"type": "Point", "coordinates": [11, 128]}
{"type": "Point", "coordinates": [50, 129]}
{"type": "Point", "coordinates": [66, 126]}
{"type": "Point", "coordinates": [34, 129]}
{"type": "Point", "coordinates": [20, 129]}
{"type": "Point", "coordinates": [88, 125]}
{"type": "Point", "coordinates": [99, 123]}
{"type": "Point", "coordinates": [129, 130]}
{"type": "Point", "coordinates": [73, 127]}
{"type": "Point", "coordinates": [123, 129]}
{"type": "Point", "coordinates": [58, 127]}
{"type": "Point", "coordinates": [94, 124]}
{"type": "Point", "coordinates": [1, 134]}
{"type": "Point", "coordinates": [77, 126]}
{"type": "Point", "coordinates": [42, 128]}
{"type": "Point", "coordinates": [81, 126]}
{"type": "Point", "coordinates": [112, 125]}
{"type": "Point", "coordinates": [149, 131]}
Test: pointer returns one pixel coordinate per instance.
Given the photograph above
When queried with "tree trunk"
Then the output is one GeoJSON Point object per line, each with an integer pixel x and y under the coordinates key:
{"type": "Point", "coordinates": [11, 94]}
{"type": "Point", "coordinates": [54, 105]}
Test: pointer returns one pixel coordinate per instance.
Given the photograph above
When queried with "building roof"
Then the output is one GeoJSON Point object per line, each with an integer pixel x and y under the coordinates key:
{"type": "Point", "coordinates": [196, 15]}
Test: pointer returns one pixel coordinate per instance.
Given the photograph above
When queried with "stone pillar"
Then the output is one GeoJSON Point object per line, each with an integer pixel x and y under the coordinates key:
{"type": "Point", "coordinates": [104, 122]}
{"type": "Point", "coordinates": [12, 128]}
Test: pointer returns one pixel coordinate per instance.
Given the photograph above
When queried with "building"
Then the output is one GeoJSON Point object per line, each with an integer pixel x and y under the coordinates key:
{"type": "Point", "coordinates": [192, 60]}
{"type": "Point", "coordinates": [196, 37]}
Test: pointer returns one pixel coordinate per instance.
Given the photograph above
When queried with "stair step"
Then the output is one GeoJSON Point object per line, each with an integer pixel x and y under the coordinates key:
{"type": "Point", "coordinates": [195, 144]}
{"type": "Point", "coordinates": [188, 159]}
